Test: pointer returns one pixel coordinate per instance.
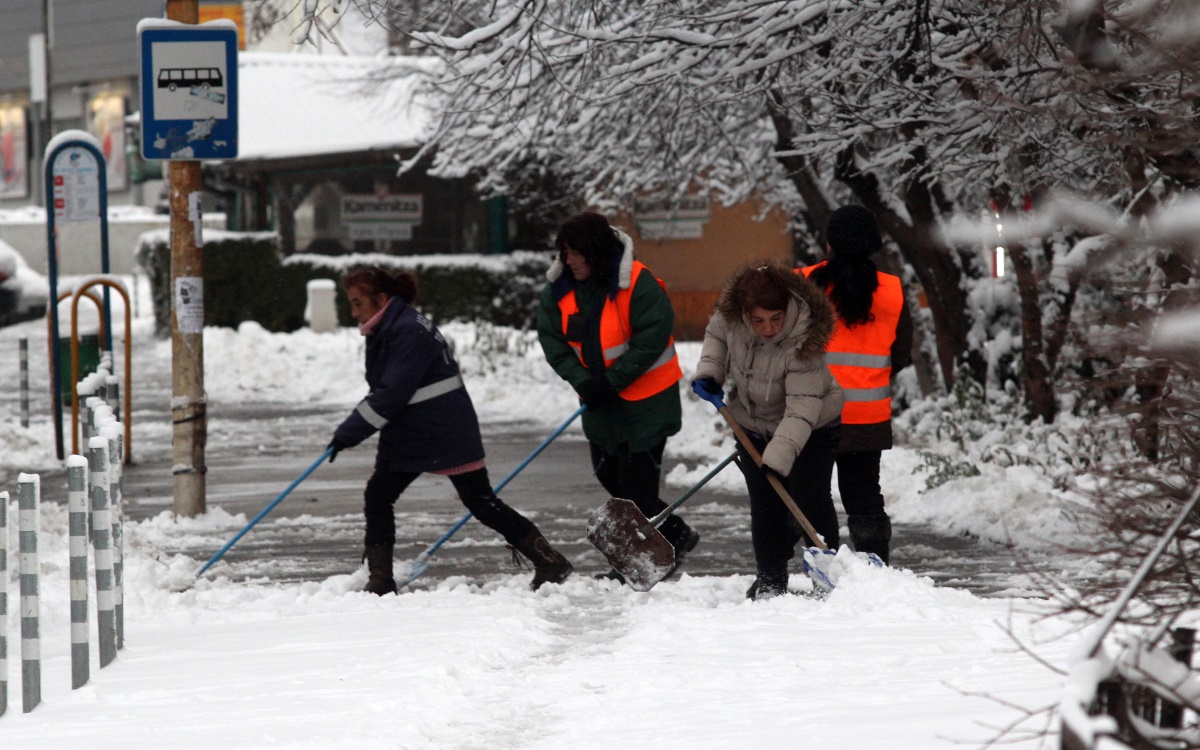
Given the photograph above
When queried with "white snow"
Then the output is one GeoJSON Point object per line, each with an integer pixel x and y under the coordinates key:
{"type": "Point", "coordinates": [887, 660]}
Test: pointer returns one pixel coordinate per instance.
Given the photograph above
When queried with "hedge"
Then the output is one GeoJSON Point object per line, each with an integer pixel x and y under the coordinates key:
{"type": "Point", "coordinates": [246, 279]}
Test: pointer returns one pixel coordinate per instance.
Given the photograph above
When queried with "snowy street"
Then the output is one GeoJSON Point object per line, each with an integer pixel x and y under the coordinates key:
{"type": "Point", "coordinates": [276, 647]}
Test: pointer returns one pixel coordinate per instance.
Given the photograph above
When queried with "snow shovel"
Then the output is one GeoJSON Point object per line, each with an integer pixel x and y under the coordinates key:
{"type": "Point", "coordinates": [418, 567]}
{"type": "Point", "coordinates": [264, 512]}
{"type": "Point", "coordinates": [633, 545]}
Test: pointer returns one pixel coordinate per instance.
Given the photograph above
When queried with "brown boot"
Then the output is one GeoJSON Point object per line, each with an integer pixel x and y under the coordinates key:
{"type": "Point", "coordinates": [548, 565]}
{"type": "Point", "coordinates": [379, 564]}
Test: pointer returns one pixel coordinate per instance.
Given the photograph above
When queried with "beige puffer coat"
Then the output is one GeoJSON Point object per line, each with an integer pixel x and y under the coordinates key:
{"type": "Point", "coordinates": [779, 387]}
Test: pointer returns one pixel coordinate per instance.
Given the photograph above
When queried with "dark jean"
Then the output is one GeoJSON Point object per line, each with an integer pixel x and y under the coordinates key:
{"type": "Point", "coordinates": [809, 485]}
{"type": "Point", "coordinates": [385, 487]}
{"type": "Point", "coordinates": [636, 477]}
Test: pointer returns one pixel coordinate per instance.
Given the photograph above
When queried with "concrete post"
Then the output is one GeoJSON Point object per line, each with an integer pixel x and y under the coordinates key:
{"type": "Point", "coordinates": [3, 602]}
{"type": "Point", "coordinates": [23, 356]}
{"type": "Point", "coordinates": [102, 544]}
{"type": "Point", "coordinates": [28, 497]}
{"type": "Point", "coordinates": [322, 306]}
{"type": "Point", "coordinates": [77, 525]}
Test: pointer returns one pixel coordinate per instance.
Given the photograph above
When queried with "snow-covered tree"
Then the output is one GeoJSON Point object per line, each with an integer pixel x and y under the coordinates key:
{"type": "Point", "coordinates": [922, 110]}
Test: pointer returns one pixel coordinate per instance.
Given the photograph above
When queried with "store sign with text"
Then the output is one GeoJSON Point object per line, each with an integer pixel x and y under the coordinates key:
{"type": "Point", "coordinates": [660, 218]}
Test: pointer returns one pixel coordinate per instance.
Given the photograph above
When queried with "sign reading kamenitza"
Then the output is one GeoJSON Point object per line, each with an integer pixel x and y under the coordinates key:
{"type": "Point", "coordinates": [660, 218]}
{"type": "Point", "coordinates": [386, 217]}
{"type": "Point", "coordinates": [189, 90]}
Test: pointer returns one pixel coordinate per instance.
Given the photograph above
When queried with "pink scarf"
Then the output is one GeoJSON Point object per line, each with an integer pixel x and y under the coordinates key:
{"type": "Point", "coordinates": [369, 327]}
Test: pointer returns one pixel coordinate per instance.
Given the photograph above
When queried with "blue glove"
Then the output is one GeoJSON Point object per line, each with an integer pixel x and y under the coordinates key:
{"type": "Point", "coordinates": [707, 389]}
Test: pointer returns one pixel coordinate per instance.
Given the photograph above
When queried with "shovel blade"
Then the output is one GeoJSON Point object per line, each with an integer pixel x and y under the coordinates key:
{"type": "Point", "coordinates": [615, 529]}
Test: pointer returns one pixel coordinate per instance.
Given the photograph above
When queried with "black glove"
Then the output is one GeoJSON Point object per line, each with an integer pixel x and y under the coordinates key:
{"type": "Point", "coordinates": [597, 393]}
{"type": "Point", "coordinates": [334, 446]}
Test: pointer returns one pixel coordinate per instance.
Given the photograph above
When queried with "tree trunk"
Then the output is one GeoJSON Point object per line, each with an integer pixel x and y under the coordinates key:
{"type": "Point", "coordinates": [1039, 391]}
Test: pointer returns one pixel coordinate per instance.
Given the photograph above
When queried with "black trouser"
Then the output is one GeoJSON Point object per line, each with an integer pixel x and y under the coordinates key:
{"type": "Point", "coordinates": [808, 482]}
{"type": "Point", "coordinates": [384, 487]}
{"type": "Point", "coordinates": [858, 481]}
{"type": "Point", "coordinates": [636, 476]}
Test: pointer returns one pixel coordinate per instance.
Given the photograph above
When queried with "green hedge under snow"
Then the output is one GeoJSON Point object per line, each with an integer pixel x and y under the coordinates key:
{"type": "Point", "coordinates": [245, 278]}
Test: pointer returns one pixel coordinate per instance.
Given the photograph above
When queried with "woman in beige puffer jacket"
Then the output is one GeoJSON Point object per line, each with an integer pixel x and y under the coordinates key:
{"type": "Point", "coordinates": [766, 341]}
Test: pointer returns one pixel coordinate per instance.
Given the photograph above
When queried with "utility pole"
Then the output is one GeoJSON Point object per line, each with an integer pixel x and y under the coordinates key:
{"type": "Point", "coordinates": [188, 404]}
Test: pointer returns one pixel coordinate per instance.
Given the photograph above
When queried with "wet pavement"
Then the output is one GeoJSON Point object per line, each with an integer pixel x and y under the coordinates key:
{"type": "Point", "coordinates": [255, 451]}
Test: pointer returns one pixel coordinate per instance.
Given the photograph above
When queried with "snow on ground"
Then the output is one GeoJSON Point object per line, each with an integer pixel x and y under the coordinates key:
{"type": "Point", "coordinates": [887, 660]}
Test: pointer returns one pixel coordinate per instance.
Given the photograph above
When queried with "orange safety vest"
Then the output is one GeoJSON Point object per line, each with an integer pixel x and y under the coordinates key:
{"type": "Point", "coordinates": [860, 358]}
{"type": "Point", "coordinates": [615, 331]}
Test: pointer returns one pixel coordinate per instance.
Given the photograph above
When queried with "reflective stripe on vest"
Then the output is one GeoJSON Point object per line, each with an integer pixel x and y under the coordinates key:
{"type": "Point", "coordinates": [860, 358]}
{"type": "Point", "coordinates": [424, 393]}
{"type": "Point", "coordinates": [615, 331]}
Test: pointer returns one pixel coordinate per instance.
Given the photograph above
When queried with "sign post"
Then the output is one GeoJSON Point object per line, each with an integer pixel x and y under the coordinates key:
{"type": "Point", "coordinates": [189, 113]}
{"type": "Point", "coordinates": [76, 191]}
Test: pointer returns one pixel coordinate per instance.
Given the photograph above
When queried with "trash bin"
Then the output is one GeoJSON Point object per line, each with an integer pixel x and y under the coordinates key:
{"type": "Point", "coordinates": [89, 361]}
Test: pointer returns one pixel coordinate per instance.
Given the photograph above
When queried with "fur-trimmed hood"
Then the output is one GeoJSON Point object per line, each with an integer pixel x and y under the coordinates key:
{"type": "Point", "coordinates": [810, 316]}
{"type": "Point", "coordinates": [564, 282]}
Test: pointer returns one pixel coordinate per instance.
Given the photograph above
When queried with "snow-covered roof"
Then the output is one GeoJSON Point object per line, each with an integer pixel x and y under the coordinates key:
{"type": "Point", "coordinates": [306, 105]}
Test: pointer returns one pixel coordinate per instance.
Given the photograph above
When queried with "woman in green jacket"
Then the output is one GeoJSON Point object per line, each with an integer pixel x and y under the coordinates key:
{"type": "Point", "coordinates": [605, 323]}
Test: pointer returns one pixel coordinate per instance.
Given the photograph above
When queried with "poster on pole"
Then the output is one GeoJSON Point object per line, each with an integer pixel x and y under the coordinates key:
{"type": "Point", "coordinates": [14, 152]}
{"type": "Point", "coordinates": [189, 89]}
{"type": "Point", "coordinates": [75, 180]}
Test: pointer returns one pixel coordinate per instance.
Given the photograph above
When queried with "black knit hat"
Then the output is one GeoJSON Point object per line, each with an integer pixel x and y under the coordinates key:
{"type": "Point", "coordinates": [852, 231]}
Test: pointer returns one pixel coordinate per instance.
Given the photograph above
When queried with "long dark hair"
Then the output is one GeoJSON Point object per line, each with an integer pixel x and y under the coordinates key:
{"type": "Point", "coordinates": [850, 283]}
{"type": "Point", "coordinates": [590, 235]}
{"type": "Point", "coordinates": [374, 280]}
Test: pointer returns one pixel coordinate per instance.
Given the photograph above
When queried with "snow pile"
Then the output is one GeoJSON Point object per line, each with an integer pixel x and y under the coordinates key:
{"type": "Point", "coordinates": [587, 664]}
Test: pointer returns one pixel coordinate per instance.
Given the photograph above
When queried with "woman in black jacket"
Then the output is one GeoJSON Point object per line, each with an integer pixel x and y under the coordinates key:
{"type": "Point", "coordinates": [427, 423]}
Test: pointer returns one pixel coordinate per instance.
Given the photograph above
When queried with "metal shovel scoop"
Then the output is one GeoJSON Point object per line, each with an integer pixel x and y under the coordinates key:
{"type": "Point", "coordinates": [632, 544]}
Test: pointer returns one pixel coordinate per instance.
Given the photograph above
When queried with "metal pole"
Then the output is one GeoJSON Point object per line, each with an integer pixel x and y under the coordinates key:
{"type": "Point", "coordinates": [190, 430]}
{"type": "Point", "coordinates": [77, 524]}
{"type": "Point", "coordinates": [112, 430]}
{"type": "Point", "coordinates": [28, 491]}
{"type": "Point", "coordinates": [23, 356]}
{"type": "Point", "coordinates": [102, 544]}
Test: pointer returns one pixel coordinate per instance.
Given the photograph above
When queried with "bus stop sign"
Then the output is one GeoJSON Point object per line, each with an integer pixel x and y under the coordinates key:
{"type": "Point", "coordinates": [189, 89]}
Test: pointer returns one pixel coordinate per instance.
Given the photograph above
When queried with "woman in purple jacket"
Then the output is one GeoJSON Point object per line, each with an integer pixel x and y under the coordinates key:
{"type": "Point", "coordinates": [426, 423]}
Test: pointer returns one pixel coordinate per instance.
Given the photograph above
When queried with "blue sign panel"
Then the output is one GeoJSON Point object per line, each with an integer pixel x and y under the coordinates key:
{"type": "Point", "coordinates": [189, 90]}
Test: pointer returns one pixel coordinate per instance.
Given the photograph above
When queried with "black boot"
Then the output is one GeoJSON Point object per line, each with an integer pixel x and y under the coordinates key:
{"type": "Point", "coordinates": [379, 565]}
{"type": "Point", "coordinates": [871, 533]}
{"type": "Point", "coordinates": [768, 584]}
{"type": "Point", "coordinates": [549, 566]}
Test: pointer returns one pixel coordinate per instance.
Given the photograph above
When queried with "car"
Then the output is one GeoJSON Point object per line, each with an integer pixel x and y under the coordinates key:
{"type": "Point", "coordinates": [24, 293]}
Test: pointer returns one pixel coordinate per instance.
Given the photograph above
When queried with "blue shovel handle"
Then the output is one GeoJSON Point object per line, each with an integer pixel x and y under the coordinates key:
{"type": "Point", "coordinates": [265, 511]}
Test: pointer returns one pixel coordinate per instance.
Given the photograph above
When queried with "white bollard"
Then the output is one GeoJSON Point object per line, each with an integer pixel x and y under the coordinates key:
{"type": "Point", "coordinates": [3, 602]}
{"type": "Point", "coordinates": [77, 524]}
{"type": "Point", "coordinates": [321, 310]}
{"type": "Point", "coordinates": [102, 544]}
{"type": "Point", "coordinates": [28, 497]}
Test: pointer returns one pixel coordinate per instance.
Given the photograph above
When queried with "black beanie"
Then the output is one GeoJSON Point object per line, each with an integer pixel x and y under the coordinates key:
{"type": "Point", "coordinates": [853, 232]}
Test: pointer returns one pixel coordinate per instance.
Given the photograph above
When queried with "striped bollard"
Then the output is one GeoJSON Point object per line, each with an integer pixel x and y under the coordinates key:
{"type": "Point", "coordinates": [77, 507]}
{"type": "Point", "coordinates": [23, 356]}
{"type": "Point", "coordinates": [111, 429]}
{"type": "Point", "coordinates": [3, 602]}
{"type": "Point", "coordinates": [101, 543]}
{"type": "Point", "coordinates": [112, 393]}
{"type": "Point", "coordinates": [28, 491]}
